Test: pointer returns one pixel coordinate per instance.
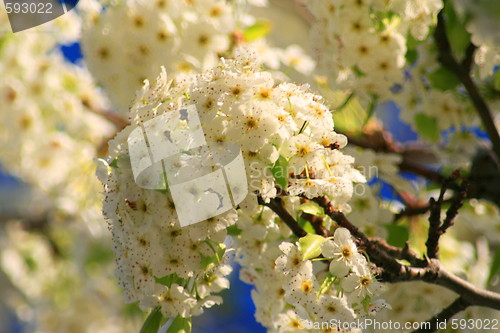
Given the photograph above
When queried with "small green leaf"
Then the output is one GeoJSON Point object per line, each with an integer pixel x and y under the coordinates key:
{"type": "Point", "coordinates": [411, 56]}
{"type": "Point", "coordinates": [443, 79]}
{"type": "Point", "coordinates": [280, 172]}
{"type": "Point", "coordinates": [427, 127]}
{"type": "Point", "coordinates": [180, 325]}
{"type": "Point", "coordinates": [4, 39]}
{"type": "Point", "coordinates": [310, 246]}
{"type": "Point", "coordinates": [496, 83]}
{"type": "Point", "coordinates": [114, 164]}
{"type": "Point", "coordinates": [412, 43]}
{"type": "Point", "coordinates": [97, 254]}
{"type": "Point", "coordinates": [325, 285]}
{"type": "Point", "coordinates": [305, 224]}
{"type": "Point", "coordinates": [170, 279]}
{"type": "Point", "coordinates": [152, 323]}
{"type": "Point", "coordinates": [233, 230]}
{"type": "Point", "coordinates": [366, 303]}
{"type": "Point", "coordinates": [495, 265]}
{"type": "Point", "coordinates": [347, 111]}
{"type": "Point", "coordinates": [397, 234]}
{"type": "Point", "coordinates": [208, 262]}
{"type": "Point", "coordinates": [455, 29]}
{"type": "Point", "coordinates": [258, 30]}
{"type": "Point", "coordinates": [312, 208]}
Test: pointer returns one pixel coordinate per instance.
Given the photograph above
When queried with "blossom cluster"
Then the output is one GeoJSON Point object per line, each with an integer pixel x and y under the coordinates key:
{"type": "Point", "coordinates": [238, 103]}
{"type": "Point", "coordinates": [54, 123]}
{"type": "Point", "coordinates": [56, 256]}
{"type": "Point", "coordinates": [183, 36]}
{"type": "Point", "coordinates": [384, 51]}
{"type": "Point", "coordinates": [291, 289]}
{"type": "Point", "coordinates": [48, 120]}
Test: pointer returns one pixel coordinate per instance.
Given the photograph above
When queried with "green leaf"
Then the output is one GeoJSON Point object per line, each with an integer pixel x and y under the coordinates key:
{"type": "Point", "coordinates": [366, 303]}
{"type": "Point", "coordinates": [371, 110]}
{"type": "Point", "coordinates": [233, 230]}
{"type": "Point", "coordinates": [170, 279]}
{"type": "Point", "coordinates": [209, 262]}
{"type": "Point", "coordinates": [495, 265]}
{"type": "Point", "coordinates": [443, 79]}
{"type": "Point", "coordinates": [412, 43]}
{"type": "Point", "coordinates": [411, 56]}
{"type": "Point", "coordinates": [397, 234]}
{"type": "Point", "coordinates": [280, 172]}
{"type": "Point", "coordinates": [152, 323]}
{"type": "Point", "coordinates": [180, 325]}
{"type": "Point", "coordinates": [258, 30]}
{"type": "Point", "coordinates": [310, 246]}
{"type": "Point", "coordinates": [455, 29]}
{"type": "Point", "coordinates": [312, 208]}
{"type": "Point", "coordinates": [351, 116]}
{"type": "Point", "coordinates": [496, 82]}
{"type": "Point", "coordinates": [98, 254]}
{"type": "Point", "coordinates": [427, 127]}
{"type": "Point", "coordinates": [325, 285]}
{"type": "Point", "coordinates": [305, 225]}
{"type": "Point", "coordinates": [4, 40]}
{"type": "Point", "coordinates": [114, 164]}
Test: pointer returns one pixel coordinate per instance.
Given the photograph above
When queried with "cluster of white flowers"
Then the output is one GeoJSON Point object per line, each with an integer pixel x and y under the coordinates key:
{"type": "Point", "coordinates": [60, 280]}
{"type": "Point", "coordinates": [50, 133]}
{"type": "Point", "coordinates": [361, 45]}
{"type": "Point", "coordinates": [236, 103]}
{"type": "Point", "coordinates": [417, 301]}
{"type": "Point", "coordinates": [158, 262]}
{"type": "Point", "coordinates": [417, 98]}
{"type": "Point", "coordinates": [291, 290]}
{"type": "Point", "coordinates": [52, 122]}
{"type": "Point", "coordinates": [382, 51]}
{"type": "Point", "coordinates": [183, 36]}
{"type": "Point", "coordinates": [47, 124]}
{"type": "Point", "coordinates": [483, 24]}
{"type": "Point", "coordinates": [368, 211]}
{"type": "Point", "coordinates": [413, 302]}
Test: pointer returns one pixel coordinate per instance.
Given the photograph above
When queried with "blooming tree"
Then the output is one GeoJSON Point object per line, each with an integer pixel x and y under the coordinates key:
{"type": "Point", "coordinates": [345, 221]}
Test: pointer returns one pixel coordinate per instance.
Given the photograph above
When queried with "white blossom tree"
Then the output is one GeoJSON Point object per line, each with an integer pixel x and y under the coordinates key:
{"type": "Point", "coordinates": [317, 236]}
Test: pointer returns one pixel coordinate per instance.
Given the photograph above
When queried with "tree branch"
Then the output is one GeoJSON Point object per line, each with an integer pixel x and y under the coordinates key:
{"type": "Point", "coordinates": [276, 206]}
{"type": "Point", "coordinates": [432, 324]}
{"type": "Point", "coordinates": [462, 71]}
{"type": "Point", "coordinates": [404, 253]}
{"type": "Point", "coordinates": [468, 59]}
{"type": "Point", "coordinates": [111, 116]}
{"type": "Point", "coordinates": [317, 223]}
{"type": "Point", "coordinates": [381, 142]}
{"type": "Point", "coordinates": [436, 228]}
{"type": "Point", "coordinates": [429, 270]}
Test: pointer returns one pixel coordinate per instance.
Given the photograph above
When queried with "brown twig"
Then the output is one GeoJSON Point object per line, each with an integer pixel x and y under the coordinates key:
{"type": "Point", "coordinates": [446, 58]}
{"type": "Point", "coordinates": [381, 142]}
{"type": "Point", "coordinates": [111, 116]}
{"type": "Point", "coordinates": [383, 255]}
{"type": "Point", "coordinates": [404, 253]}
{"type": "Point", "coordinates": [436, 228]}
{"type": "Point", "coordinates": [393, 271]}
{"type": "Point", "coordinates": [433, 324]}
{"type": "Point", "coordinates": [276, 206]}
{"type": "Point", "coordinates": [317, 223]}
{"type": "Point", "coordinates": [468, 59]}
{"type": "Point", "coordinates": [421, 170]}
